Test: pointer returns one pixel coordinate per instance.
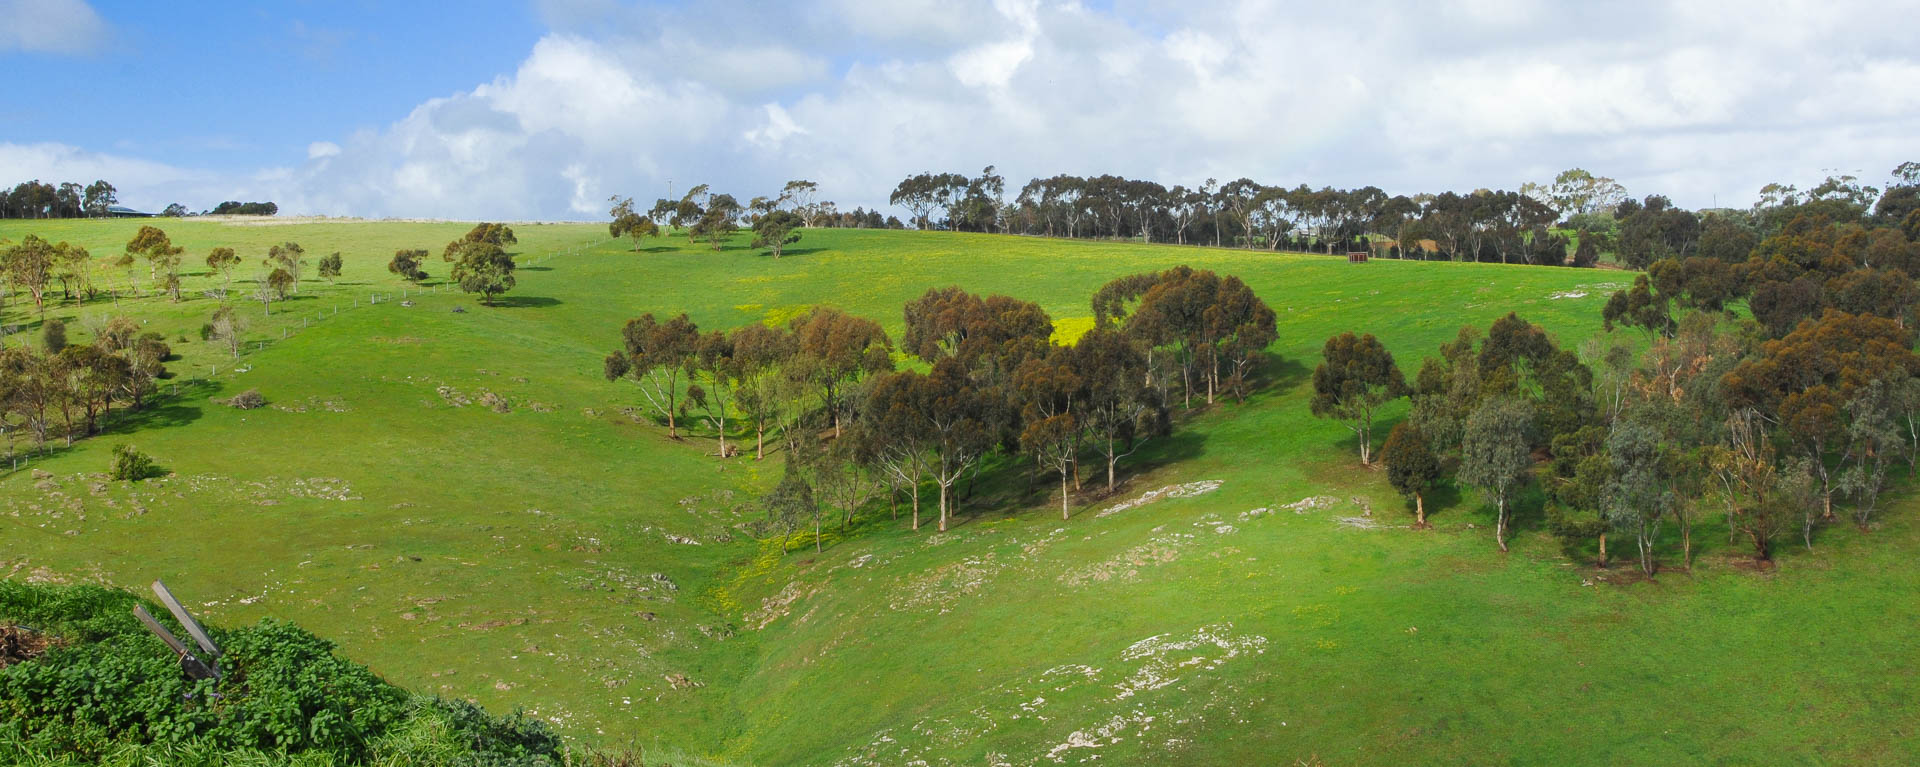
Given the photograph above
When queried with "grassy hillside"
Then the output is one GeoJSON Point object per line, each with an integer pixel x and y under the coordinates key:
{"type": "Point", "coordinates": [524, 557]}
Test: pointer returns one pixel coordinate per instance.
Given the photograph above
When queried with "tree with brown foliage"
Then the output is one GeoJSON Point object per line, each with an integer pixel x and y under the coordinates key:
{"type": "Point", "coordinates": [654, 355]}
{"type": "Point", "coordinates": [836, 349]}
{"type": "Point", "coordinates": [1049, 393]}
{"type": "Point", "coordinates": [1804, 380]}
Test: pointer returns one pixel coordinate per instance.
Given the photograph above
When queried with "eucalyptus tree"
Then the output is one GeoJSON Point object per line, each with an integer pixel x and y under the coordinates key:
{"type": "Point", "coordinates": [290, 257]}
{"type": "Point", "coordinates": [836, 350]}
{"type": "Point", "coordinates": [483, 267]}
{"type": "Point", "coordinates": [1357, 377]}
{"type": "Point", "coordinates": [654, 355]}
{"type": "Point", "coordinates": [1496, 454]}
{"type": "Point", "coordinates": [1412, 468]}
{"type": "Point", "coordinates": [1121, 412]}
{"type": "Point", "coordinates": [223, 260]}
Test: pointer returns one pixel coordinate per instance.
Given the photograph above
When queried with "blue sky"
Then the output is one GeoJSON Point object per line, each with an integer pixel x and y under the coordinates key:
{"type": "Point", "coordinates": [543, 109]}
{"type": "Point", "coordinates": [235, 86]}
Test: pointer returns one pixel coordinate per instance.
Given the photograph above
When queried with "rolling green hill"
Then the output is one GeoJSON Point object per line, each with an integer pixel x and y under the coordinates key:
{"type": "Point", "coordinates": [461, 501]}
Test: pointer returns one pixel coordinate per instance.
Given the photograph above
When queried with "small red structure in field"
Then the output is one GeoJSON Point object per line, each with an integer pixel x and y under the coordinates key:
{"type": "Point", "coordinates": [1356, 257]}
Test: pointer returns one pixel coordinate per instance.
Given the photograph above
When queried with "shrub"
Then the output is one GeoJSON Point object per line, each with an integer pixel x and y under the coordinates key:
{"type": "Point", "coordinates": [110, 689]}
{"type": "Point", "coordinates": [247, 400]}
{"type": "Point", "coordinates": [130, 465]}
{"type": "Point", "coordinates": [54, 333]}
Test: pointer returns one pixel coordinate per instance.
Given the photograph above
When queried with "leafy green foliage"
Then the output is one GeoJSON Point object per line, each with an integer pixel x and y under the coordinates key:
{"type": "Point", "coordinates": [1411, 466]}
{"type": "Point", "coordinates": [1357, 377]}
{"type": "Point", "coordinates": [129, 464]}
{"type": "Point", "coordinates": [406, 263]}
{"type": "Point", "coordinates": [109, 685]}
{"type": "Point", "coordinates": [483, 267]}
{"type": "Point", "coordinates": [775, 231]}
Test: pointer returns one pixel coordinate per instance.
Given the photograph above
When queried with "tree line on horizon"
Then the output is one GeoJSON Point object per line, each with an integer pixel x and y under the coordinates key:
{"type": "Point", "coordinates": [1570, 221]}
{"type": "Point", "coordinates": [40, 200]}
{"type": "Point", "coordinates": [1574, 220]}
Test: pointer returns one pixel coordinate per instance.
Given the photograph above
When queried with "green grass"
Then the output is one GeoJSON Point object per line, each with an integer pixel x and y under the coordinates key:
{"type": "Point", "coordinates": [508, 558]}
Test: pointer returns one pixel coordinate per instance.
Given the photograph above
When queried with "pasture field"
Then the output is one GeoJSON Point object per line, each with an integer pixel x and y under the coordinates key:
{"type": "Point", "coordinates": [566, 557]}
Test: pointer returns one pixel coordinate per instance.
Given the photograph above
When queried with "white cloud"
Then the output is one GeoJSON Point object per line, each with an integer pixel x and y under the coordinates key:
{"type": "Point", "coordinates": [778, 127]}
{"type": "Point", "coordinates": [1704, 100]}
{"type": "Point", "coordinates": [50, 26]}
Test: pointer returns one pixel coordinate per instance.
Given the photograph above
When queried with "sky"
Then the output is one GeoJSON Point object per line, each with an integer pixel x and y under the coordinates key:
{"type": "Point", "coordinates": [542, 110]}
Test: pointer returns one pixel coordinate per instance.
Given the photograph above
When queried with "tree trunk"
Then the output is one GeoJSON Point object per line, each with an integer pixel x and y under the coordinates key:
{"type": "Point", "coordinates": [915, 490]}
{"type": "Point", "coordinates": [759, 441]}
{"type": "Point", "coordinates": [943, 507]}
{"type": "Point", "coordinates": [1603, 551]}
{"type": "Point", "coordinates": [1063, 496]}
{"type": "Point", "coordinates": [1500, 526]}
{"type": "Point", "coordinates": [1419, 511]}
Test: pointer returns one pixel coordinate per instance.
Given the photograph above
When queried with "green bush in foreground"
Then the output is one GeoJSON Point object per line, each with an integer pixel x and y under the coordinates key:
{"type": "Point", "coordinates": [130, 465]}
{"type": "Point", "coordinates": [109, 692]}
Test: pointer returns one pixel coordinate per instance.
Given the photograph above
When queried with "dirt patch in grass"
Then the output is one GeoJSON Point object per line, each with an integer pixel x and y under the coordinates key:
{"type": "Point", "coordinates": [19, 644]}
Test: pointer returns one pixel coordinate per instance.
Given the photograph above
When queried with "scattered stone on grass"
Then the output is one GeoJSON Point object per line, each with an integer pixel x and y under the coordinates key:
{"type": "Point", "coordinates": [1311, 503]}
{"type": "Point", "coordinates": [774, 607]}
{"type": "Point", "coordinates": [452, 396]}
{"type": "Point", "coordinates": [1126, 565]}
{"type": "Point", "coordinates": [494, 402]}
{"type": "Point", "coordinates": [1188, 490]}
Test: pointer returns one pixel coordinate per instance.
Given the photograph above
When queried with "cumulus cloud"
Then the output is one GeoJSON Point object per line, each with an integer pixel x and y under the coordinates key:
{"type": "Point", "coordinates": [50, 26]}
{"type": "Point", "coordinates": [1704, 100]}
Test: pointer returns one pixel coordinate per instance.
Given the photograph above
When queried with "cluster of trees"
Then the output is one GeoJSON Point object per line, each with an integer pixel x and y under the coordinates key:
{"type": "Point", "coordinates": [1497, 226]}
{"type": "Point", "coordinates": [58, 390]}
{"type": "Point", "coordinates": [1788, 261]}
{"type": "Point", "coordinates": [964, 204]}
{"type": "Point", "coordinates": [711, 217]}
{"type": "Point", "coordinates": [33, 265]}
{"type": "Point", "coordinates": [481, 263]}
{"type": "Point", "coordinates": [990, 387]}
{"type": "Point", "coordinates": [232, 208]}
{"type": "Point", "coordinates": [37, 199]}
{"type": "Point", "coordinates": [1775, 421]}
{"type": "Point", "coordinates": [1570, 221]}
